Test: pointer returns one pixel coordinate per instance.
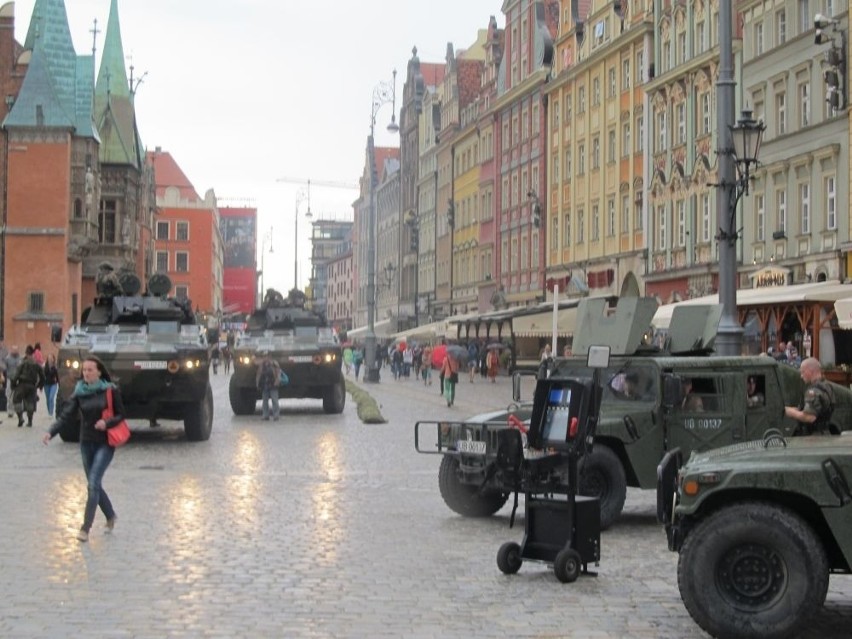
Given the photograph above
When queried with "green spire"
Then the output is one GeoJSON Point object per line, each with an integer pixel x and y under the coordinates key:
{"type": "Point", "coordinates": [112, 76]}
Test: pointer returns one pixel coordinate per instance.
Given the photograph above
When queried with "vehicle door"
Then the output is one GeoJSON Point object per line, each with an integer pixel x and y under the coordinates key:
{"type": "Point", "coordinates": [710, 413]}
{"type": "Point", "coordinates": [764, 404]}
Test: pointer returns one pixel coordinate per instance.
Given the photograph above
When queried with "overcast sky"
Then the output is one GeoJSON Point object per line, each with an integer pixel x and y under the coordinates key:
{"type": "Point", "coordinates": [243, 93]}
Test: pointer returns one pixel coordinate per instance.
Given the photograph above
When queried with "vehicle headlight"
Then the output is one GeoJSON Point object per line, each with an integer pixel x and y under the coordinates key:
{"type": "Point", "coordinates": [325, 358]}
{"type": "Point", "coordinates": [73, 364]}
{"type": "Point", "coordinates": [192, 364]}
{"type": "Point", "coordinates": [245, 360]}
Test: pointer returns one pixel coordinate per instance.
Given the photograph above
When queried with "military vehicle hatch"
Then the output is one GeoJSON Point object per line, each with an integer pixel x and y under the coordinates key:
{"type": "Point", "coordinates": [303, 344]}
{"type": "Point", "coordinates": [153, 349]}
{"type": "Point", "coordinates": [655, 398]}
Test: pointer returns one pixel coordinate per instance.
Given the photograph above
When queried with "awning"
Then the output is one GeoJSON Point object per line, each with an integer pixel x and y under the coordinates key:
{"type": "Point", "coordinates": [382, 329]}
{"type": "Point", "coordinates": [426, 332]}
{"type": "Point", "coordinates": [541, 324]}
{"type": "Point", "coordinates": [766, 296]}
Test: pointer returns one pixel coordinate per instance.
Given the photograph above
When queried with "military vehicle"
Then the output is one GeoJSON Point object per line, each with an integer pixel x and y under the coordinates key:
{"type": "Point", "coordinates": [759, 526]}
{"type": "Point", "coordinates": [153, 349]}
{"type": "Point", "coordinates": [302, 343]}
{"type": "Point", "coordinates": [638, 421]}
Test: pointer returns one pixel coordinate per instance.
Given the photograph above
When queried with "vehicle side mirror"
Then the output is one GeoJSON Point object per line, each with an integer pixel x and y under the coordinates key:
{"type": "Point", "coordinates": [672, 391]}
{"type": "Point", "coordinates": [56, 333]}
{"type": "Point", "coordinates": [516, 387]}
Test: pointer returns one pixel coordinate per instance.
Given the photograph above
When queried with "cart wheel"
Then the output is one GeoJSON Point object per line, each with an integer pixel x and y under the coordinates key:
{"type": "Point", "coordinates": [509, 558]}
{"type": "Point", "coordinates": [567, 565]}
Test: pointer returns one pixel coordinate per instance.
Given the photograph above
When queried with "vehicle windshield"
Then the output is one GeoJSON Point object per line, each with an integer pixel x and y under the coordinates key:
{"type": "Point", "coordinates": [624, 382]}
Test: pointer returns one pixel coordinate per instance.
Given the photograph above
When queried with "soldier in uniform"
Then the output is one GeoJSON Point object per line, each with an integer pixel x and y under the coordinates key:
{"type": "Point", "coordinates": [818, 403]}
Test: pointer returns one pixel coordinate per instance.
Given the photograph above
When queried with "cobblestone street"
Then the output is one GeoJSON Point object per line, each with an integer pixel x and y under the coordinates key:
{"type": "Point", "coordinates": [315, 526]}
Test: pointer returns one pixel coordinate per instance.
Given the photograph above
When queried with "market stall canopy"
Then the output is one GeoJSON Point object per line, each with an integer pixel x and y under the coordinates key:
{"type": "Point", "coordinates": [764, 296]}
{"type": "Point", "coordinates": [432, 332]}
{"type": "Point", "coordinates": [383, 330]}
{"type": "Point", "coordinates": [843, 310]}
{"type": "Point", "coordinates": [541, 324]}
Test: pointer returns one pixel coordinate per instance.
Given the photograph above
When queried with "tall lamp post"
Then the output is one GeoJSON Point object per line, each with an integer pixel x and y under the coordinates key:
{"type": "Point", "coordinates": [300, 196]}
{"type": "Point", "coordinates": [737, 146]}
{"type": "Point", "coordinates": [383, 93]}
{"type": "Point", "coordinates": [266, 243]}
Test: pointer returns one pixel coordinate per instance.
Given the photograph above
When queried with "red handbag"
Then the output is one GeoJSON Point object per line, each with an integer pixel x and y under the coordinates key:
{"type": "Point", "coordinates": [120, 433]}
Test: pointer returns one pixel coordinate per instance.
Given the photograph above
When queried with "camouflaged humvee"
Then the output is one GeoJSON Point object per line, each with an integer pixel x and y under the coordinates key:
{"type": "Point", "coordinates": [304, 346]}
{"type": "Point", "coordinates": [153, 349]}
{"type": "Point", "coordinates": [644, 412]}
{"type": "Point", "coordinates": [759, 527]}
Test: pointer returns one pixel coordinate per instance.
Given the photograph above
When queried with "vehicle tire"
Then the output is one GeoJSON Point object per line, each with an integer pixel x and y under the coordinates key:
{"type": "Point", "coordinates": [752, 570]}
{"type": "Point", "coordinates": [567, 565]}
{"type": "Point", "coordinates": [243, 400]}
{"type": "Point", "coordinates": [602, 475]}
{"type": "Point", "coordinates": [198, 419]}
{"type": "Point", "coordinates": [464, 499]}
{"type": "Point", "coordinates": [334, 398]}
{"type": "Point", "coordinates": [509, 558]}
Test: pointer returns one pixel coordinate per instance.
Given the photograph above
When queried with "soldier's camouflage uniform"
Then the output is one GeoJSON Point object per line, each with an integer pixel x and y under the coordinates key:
{"type": "Point", "coordinates": [819, 401]}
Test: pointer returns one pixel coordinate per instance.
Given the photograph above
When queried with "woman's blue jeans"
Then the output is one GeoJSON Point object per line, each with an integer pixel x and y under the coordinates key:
{"type": "Point", "coordinates": [50, 396]}
{"type": "Point", "coordinates": [96, 459]}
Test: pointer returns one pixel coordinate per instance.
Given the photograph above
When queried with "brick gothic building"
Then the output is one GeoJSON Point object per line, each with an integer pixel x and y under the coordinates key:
{"type": "Point", "coordinates": [78, 191]}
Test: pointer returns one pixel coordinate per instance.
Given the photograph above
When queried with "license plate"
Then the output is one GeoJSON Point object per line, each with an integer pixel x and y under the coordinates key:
{"type": "Point", "coordinates": [301, 358]}
{"type": "Point", "coordinates": [149, 365]}
{"type": "Point", "coordinates": [471, 447]}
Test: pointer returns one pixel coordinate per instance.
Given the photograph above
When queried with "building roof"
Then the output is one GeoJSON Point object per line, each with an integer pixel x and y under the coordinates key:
{"type": "Point", "coordinates": [432, 72]}
{"type": "Point", "coordinates": [167, 174]}
{"type": "Point", "coordinates": [383, 155]}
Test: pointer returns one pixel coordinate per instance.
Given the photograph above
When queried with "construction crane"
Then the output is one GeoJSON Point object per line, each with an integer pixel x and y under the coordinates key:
{"type": "Point", "coordinates": [308, 182]}
{"type": "Point", "coordinates": [323, 183]}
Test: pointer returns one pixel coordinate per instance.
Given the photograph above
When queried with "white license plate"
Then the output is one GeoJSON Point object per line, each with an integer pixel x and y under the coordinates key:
{"type": "Point", "coordinates": [474, 448]}
{"type": "Point", "coordinates": [301, 358]}
{"type": "Point", "coordinates": [149, 365]}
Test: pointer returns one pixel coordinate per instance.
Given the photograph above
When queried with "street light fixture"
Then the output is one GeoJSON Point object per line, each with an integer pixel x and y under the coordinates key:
{"type": "Point", "coordinates": [746, 135]}
{"type": "Point", "coordinates": [383, 93]}
{"type": "Point", "coordinates": [266, 243]}
{"type": "Point", "coordinates": [302, 195]}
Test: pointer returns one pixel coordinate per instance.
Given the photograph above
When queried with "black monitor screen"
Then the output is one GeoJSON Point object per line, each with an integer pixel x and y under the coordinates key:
{"type": "Point", "coordinates": [557, 415]}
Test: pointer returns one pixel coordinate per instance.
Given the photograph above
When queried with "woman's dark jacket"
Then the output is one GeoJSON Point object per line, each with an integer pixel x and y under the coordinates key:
{"type": "Point", "coordinates": [89, 408]}
{"type": "Point", "coordinates": [51, 375]}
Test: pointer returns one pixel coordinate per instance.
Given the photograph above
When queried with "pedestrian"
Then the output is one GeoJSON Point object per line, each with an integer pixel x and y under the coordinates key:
{"type": "Point", "coordinates": [357, 360]}
{"type": "Point", "coordinates": [347, 359]}
{"type": "Point", "coordinates": [396, 363]}
{"type": "Point", "coordinates": [546, 353]}
{"type": "Point", "coordinates": [214, 358]}
{"type": "Point", "coordinates": [493, 364]}
{"type": "Point", "coordinates": [450, 371]}
{"type": "Point", "coordinates": [226, 358]}
{"type": "Point", "coordinates": [12, 360]}
{"type": "Point", "coordinates": [818, 403]}
{"type": "Point", "coordinates": [28, 380]}
{"type": "Point", "coordinates": [483, 361]}
{"type": "Point", "coordinates": [51, 382]}
{"type": "Point", "coordinates": [417, 360]}
{"type": "Point", "coordinates": [38, 356]}
{"type": "Point", "coordinates": [426, 365]}
{"type": "Point", "coordinates": [472, 359]}
{"type": "Point", "coordinates": [566, 352]}
{"type": "Point", "coordinates": [267, 378]}
{"type": "Point", "coordinates": [86, 406]}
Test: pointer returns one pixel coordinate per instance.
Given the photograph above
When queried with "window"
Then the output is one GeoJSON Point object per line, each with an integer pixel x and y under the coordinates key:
{"type": "Point", "coordinates": [610, 152]}
{"type": "Point", "coordinates": [581, 159]}
{"type": "Point", "coordinates": [568, 165]}
{"type": "Point", "coordinates": [536, 125]}
{"type": "Point", "coordinates": [681, 123]}
{"type": "Point", "coordinates": [162, 230]}
{"type": "Point", "coordinates": [804, 104]}
{"type": "Point", "coordinates": [681, 47]}
{"type": "Point", "coordinates": [182, 262]}
{"type": "Point", "coordinates": [567, 103]}
{"type": "Point", "coordinates": [581, 100]}
{"type": "Point", "coordinates": [661, 131]}
{"type": "Point", "coordinates": [666, 57]}
{"type": "Point", "coordinates": [681, 223]}
{"type": "Point", "coordinates": [554, 170]}
{"type": "Point", "coordinates": [612, 83]}
{"type": "Point", "coordinates": [182, 231]}
{"type": "Point", "coordinates": [758, 39]}
{"type": "Point", "coordinates": [830, 204]}
{"type": "Point", "coordinates": [596, 223]}
{"type": "Point", "coordinates": [640, 134]}
{"type": "Point", "coordinates": [705, 218]}
{"type": "Point", "coordinates": [638, 222]}
{"type": "Point", "coordinates": [566, 231]}
{"type": "Point", "coordinates": [706, 113]}
{"type": "Point", "coordinates": [106, 223]}
{"type": "Point", "coordinates": [625, 74]}
{"type": "Point", "coordinates": [700, 44]}
{"type": "Point", "coordinates": [35, 302]}
{"type": "Point", "coordinates": [610, 217]}
{"type": "Point", "coordinates": [596, 152]}
{"type": "Point", "coordinates": [581, 226]}
{"type": "Point", "coordinates": [182, 292]}
{"type": "Point", "coordinates": [781, 203]}
{"type": "Point", "coordinates": [625, 139]}
{"type": "Point", "coordinates": [759, 217]}
{"type": "Point", "coordinates": [555, 116]}
{"type": "Point", "coordinates": [640, 67]}
{"type": "Point", "coordinates": [805, 16]}
{"type": "Point", "coordinates": [661, 228]}
{"type": "Point", "coordinates": [780, 113]}
{"type": "Point", "coordinates": [805, 210]}
{"type": "Point", "coordinates": [596, 92]}
{"type": "Point", "coordinates": [625, 214]}
{"type": "Point", "coordinates": [781, 27]}
{"type": "Point", "coordinates": [162, 262]}
{"type": "Point", "coordinates": [554, 233]}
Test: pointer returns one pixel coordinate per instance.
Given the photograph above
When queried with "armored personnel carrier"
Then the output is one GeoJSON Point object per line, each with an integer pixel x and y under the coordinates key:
{"type": "Point", "coordinates": [153, 349]}
{"type": "Point", "coordinates": [644, 412]}
{"type": "Point", "coordinates": [302, 343]}
{"type": "Point", "coordinates": [759, 527]}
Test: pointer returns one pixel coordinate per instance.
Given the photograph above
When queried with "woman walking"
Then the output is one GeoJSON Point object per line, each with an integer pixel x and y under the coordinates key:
{"type": "Point", "coordinates": [51, 382]}
{"type": "Point", "coordinates": [88, 403]}
{"type": "Point", "coordinates": [450, 372]}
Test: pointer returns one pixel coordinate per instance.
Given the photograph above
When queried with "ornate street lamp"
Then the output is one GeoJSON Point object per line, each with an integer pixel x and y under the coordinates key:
{"type": "Point", "coordinates": [383, 93]}
{"type": "Point", "coordinates": [747, 135]}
